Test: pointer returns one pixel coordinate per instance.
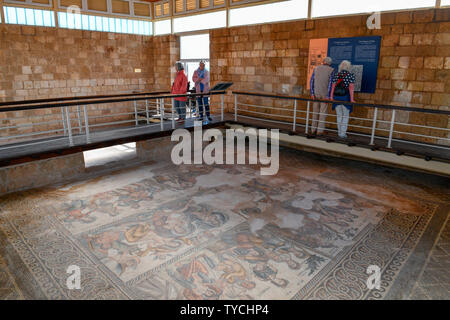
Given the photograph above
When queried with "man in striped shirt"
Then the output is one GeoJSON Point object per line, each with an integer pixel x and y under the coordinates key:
{"type": "Point", "coordinates": [321, 84]}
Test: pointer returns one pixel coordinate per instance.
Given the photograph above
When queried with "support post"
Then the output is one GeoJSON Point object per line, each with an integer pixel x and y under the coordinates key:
{"type": "Point", "coordinates": [69, 126]}
{"type": "Point", "coordinates": [173, 113]}
{"type": "Point", "coordinates": [391, 130]}
{"type": "Point", "coordinates": [146, 111]}
{"type": "Point", "coordinates": [86, 125]}
{"type": "Point", "coordinates": [307, 117]}
{"type": "Point", "coordinates": [222, 97]}
{"type": "Point", "coordinates": [374, 126]}
{"type": "Point", "coordinates": [80, 126]}
{"type": "Point", "coordinates": [235, 107]}
{"type": "Point", "coordinates": [64, 121]}
{"type": "Point", "coordinates": [161, 113]}
{"type": "Point", "coordinates": [135, 112]}
{"type": "Point", "coordinates": [294, 122]}
{"type": "Point", "coordinates": [197, 108]}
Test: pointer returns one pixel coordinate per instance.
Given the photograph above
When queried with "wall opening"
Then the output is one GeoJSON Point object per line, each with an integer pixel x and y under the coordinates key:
{"type": "Point", "coordinates": [193, 49]}
{"type": "Point", "coordinates": [118, 154]}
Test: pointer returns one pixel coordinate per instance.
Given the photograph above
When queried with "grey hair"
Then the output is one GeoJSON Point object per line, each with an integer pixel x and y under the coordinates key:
{"type": "Point", "coordinates": [179, 66]}
{"type": "Point", "coordinates": [345, 65]}
{"type": "Point", "coordinates": [328, 61]}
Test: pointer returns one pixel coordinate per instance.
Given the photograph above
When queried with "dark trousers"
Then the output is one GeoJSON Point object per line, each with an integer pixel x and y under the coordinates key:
{"type": "Point", "coordinates": [203, 102]}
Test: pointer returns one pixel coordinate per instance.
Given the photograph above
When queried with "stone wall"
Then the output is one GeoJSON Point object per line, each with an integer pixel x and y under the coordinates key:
{"type": "Point", "coordinates": [414, 68]}
{"type": "Point", "coordinates": [166, 51]}
{"type": "Point", "coordinates": [41, 173]}
{"type": "Point", "coordinates": [158, 149]}
{"type": "Point", "coordinates": [40, 62]}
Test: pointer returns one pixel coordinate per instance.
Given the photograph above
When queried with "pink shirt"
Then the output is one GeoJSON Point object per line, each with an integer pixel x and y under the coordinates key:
{"type": "Point", "coordinates": [205, 82]}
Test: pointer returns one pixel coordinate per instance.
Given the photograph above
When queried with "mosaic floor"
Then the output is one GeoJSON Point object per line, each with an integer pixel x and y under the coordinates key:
{"type": "Point", "coordinates": [161, 231]}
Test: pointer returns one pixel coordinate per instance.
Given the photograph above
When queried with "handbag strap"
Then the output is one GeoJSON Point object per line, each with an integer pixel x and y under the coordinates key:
{"type": "Point", "coordinates": [341, 76]}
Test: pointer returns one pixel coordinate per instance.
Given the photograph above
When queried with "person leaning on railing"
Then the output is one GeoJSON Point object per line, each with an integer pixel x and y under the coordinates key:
{"type": "Point", "coordinates": [343, 90]}
{"type": "Point", "coordinates": [201, 80]}
{"type": "Point", "coordinates": [179, 86]}
{"type": "Point", "coordinates": [320, 86]}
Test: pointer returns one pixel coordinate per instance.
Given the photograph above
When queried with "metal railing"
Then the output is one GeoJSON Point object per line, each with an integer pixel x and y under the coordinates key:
{"type": "Point", "coordinates": [81, 120]}
{"type": "Point", "coordinates": [75, 121]}
{"type": "Point", "coordinates": [414, 130]}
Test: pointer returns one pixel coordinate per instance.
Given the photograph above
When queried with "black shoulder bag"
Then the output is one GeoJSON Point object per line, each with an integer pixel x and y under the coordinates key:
{"type": "Point", "coordinates": [340, 90]}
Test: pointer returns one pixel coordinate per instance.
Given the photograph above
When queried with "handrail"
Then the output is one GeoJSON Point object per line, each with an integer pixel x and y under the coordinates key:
{"type": "Point", "coordinates": [73, 130]}
{"type": "Point", "coordinates": [35, 101]}
{"type": "Point", "coordinates": [99, 101]}
{"type": "Point", "coordinates": [288, 97]}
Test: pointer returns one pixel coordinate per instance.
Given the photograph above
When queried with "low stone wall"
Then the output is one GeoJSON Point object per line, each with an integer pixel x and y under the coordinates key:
{"type": "Point", "coordinates": [41, 173]}
{"type": "Point", "coordinates": [155, 149]}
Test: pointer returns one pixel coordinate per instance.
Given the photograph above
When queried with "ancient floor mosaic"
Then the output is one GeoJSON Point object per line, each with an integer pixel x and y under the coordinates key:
{"type": "Point", "coordinates": [161, 231]}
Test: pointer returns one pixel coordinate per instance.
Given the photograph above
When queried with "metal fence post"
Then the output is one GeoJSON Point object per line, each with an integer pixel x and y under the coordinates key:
{"type": "Point", "coordinates": [146, 111]}
{"type": "Point", "coordinates": [69, 126]}
{"type": "Point", "coordinates": [80, 126]}
{"type": "Point", "coordinates": [307, 118]}
{"type": "Point", "coordinates": [235, 107]}
{"type": "Point", "coordinates": [64, 120]}
{"type": "Point", "coordinates": [391, 130]}
{"type": "Point", "coordinates": [197, 108]}
{"type": "Point", "coordinates": [295, 116]}
{"type": "Point", "coordinates": [173, 113]}
{"type": "Point", "coordinates": [161, 113]}
{"type": "Point", "coordinates": [374, 126]}
{"type": "Point", "coordinates": [135, 112]}
{"type": "Point", "coordinates": [222, 97]}
{"type": "Point", "coordinates": [86, 125]}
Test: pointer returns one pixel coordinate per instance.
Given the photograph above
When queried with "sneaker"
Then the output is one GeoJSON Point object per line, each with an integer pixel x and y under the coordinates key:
{"type": "Point", "coordinates": [209, 119]}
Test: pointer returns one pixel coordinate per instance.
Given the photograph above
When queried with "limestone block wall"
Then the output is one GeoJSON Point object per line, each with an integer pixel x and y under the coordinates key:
{"type": "Point", "coordinates": [414, 68]}
{"type": "Point", "coordinates": [166, 51]}
{"type": "Point", "coordinates": [40, 62]}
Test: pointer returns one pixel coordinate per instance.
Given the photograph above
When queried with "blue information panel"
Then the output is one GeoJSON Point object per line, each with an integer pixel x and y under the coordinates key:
{"type": "Point", "coordinates": [363, 53]}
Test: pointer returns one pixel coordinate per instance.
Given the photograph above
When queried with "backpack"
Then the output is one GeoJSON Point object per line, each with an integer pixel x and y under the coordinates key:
{"type": "Point", "coordinates": [340, 90]}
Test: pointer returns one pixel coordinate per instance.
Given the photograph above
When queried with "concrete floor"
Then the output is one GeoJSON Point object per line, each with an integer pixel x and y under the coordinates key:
{"type": "Point", "coordinates": [159, 231]}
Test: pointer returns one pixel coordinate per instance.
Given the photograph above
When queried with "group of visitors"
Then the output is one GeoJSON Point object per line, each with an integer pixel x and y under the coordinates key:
{"type": "Point", "coordinates": [180, 86]}
{"type": "Point", "coordinates": [327, 84]}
